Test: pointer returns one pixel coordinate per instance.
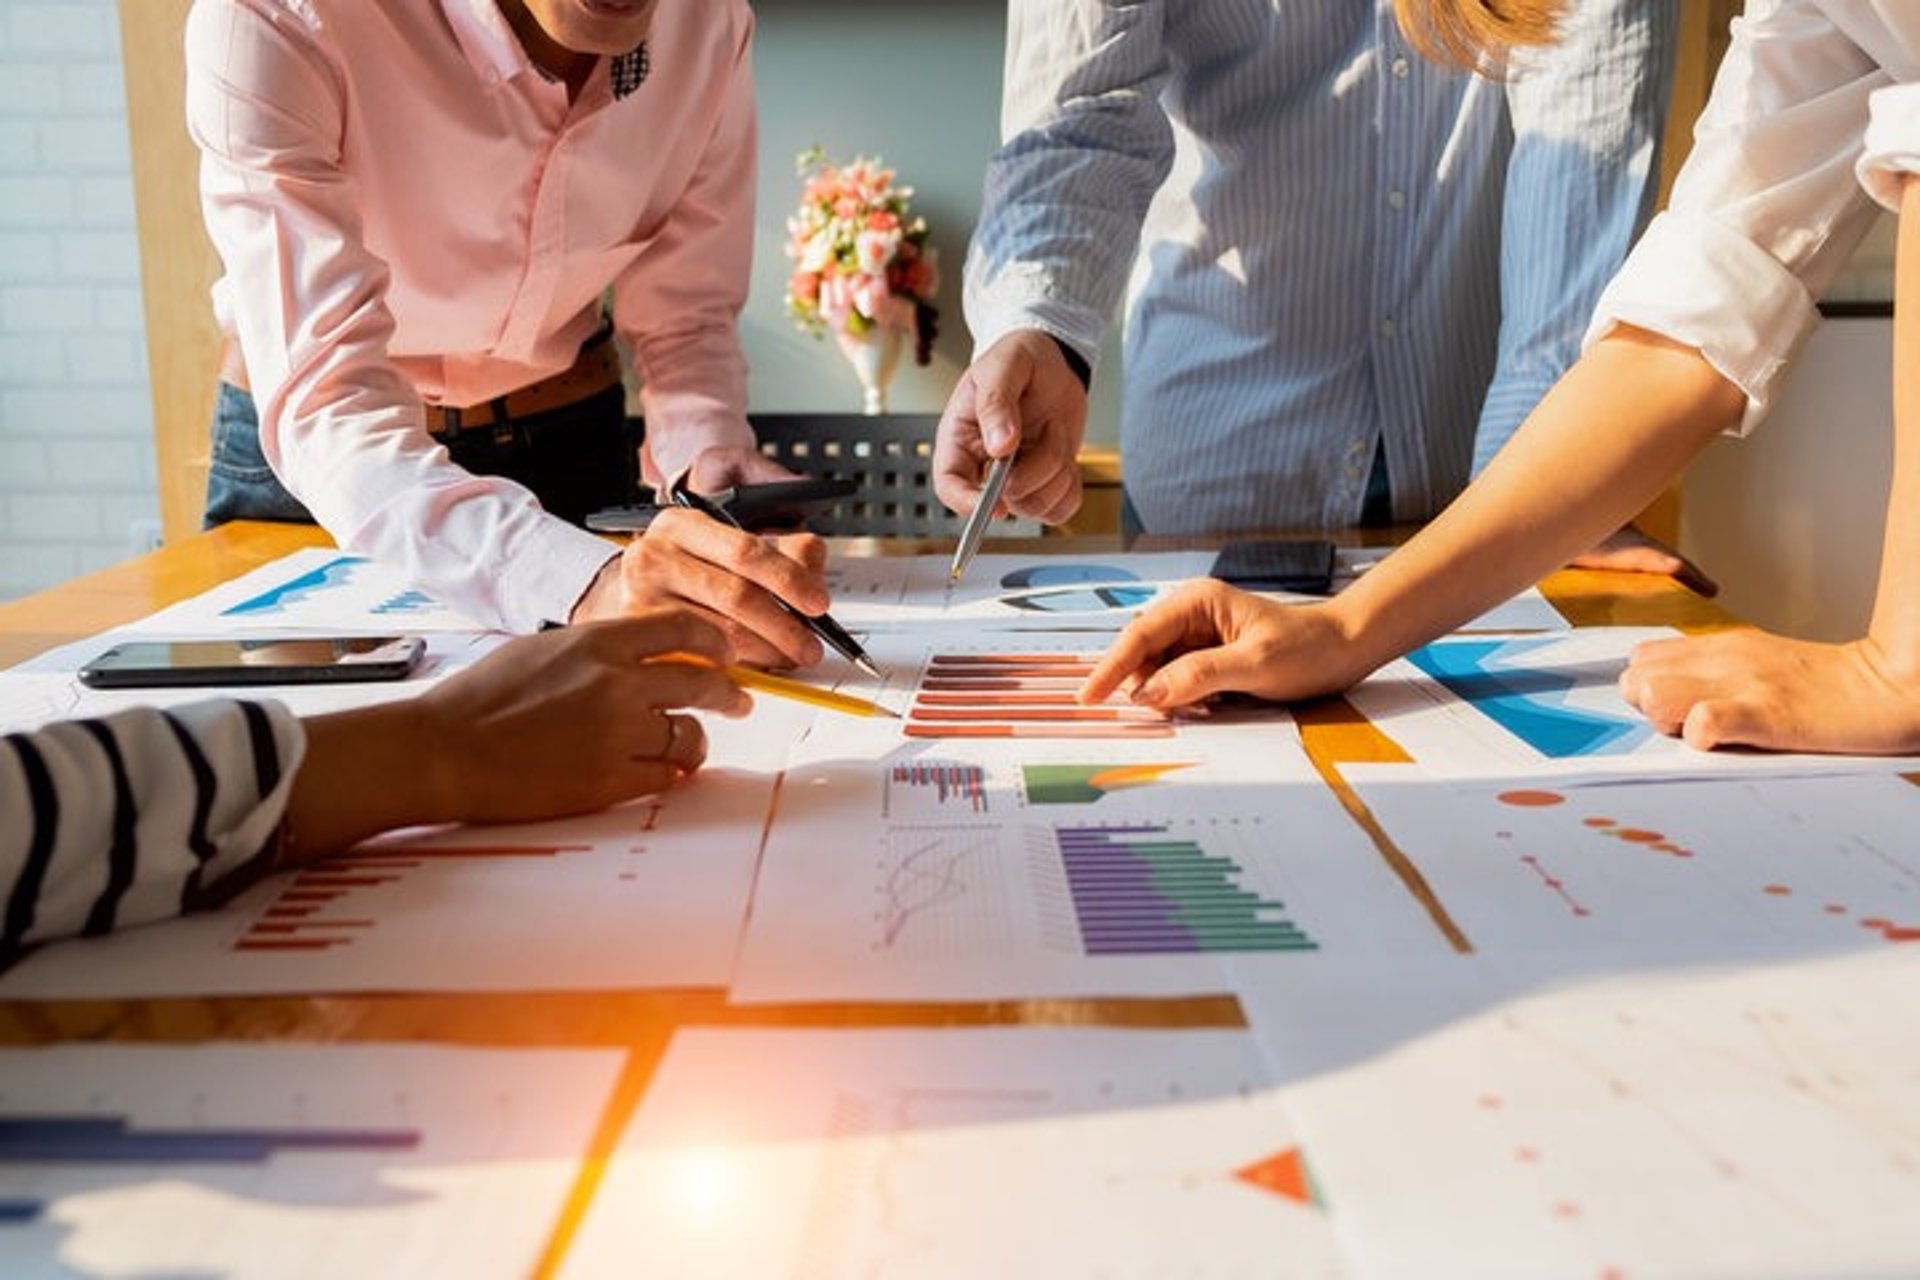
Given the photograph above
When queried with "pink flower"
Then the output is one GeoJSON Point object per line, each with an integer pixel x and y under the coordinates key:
{"type": "Point", "coordinates": [873, 250]}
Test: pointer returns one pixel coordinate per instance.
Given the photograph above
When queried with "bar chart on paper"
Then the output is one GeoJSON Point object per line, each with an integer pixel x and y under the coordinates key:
{"type": "Point", "coordinates": [646, 895]}
{"type": "Point", "coordinates": [1015, 695]}
{"type": "Point", "coordinates": [885, 1154]}
{"type": "Point", "coordinates": [289, 1160]}
{"type": "Point", "coordinates": [1142, 889]}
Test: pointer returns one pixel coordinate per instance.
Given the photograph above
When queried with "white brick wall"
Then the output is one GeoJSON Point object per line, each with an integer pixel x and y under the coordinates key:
{"type": "Point", "coordinates": [77, 487]}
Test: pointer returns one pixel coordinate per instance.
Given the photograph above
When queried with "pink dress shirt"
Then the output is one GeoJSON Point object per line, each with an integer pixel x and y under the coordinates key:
{"type": "Point", "coordinates": [407, 207]}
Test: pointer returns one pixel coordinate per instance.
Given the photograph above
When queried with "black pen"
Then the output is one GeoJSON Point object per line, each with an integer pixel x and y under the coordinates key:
{"type": "Point", "coordinates": [822, 625]}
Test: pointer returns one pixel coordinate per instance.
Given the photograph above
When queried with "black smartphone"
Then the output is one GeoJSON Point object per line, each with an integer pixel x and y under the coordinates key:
{"type": "Point", "coordinates": [783, 504]}
{"type": "Point", "coordinates": [153, 664]}
{"type": "Point", "coordinates": [1276, 564]}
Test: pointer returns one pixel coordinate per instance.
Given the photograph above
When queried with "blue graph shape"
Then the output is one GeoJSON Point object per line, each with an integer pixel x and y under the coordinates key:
{"type": "Point", "coordinates": [407, 602]}
{"type": "Point", "coordinates": [113, 1140]}
{"type": "Point", "coordinates": [16, 1213]}
{"type": "Point", "coordinates": [1529, 704]}
{"type": "Point", "coordinates": [1061, 575]}
{"type": "Point", "coordinates": [334, 573]}
{"type": "Point", "coordinates": [1074, 588]}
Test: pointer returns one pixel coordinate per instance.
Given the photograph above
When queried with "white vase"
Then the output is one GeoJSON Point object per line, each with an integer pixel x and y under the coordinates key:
{"type": "Point", "coordinates": [874, 356]}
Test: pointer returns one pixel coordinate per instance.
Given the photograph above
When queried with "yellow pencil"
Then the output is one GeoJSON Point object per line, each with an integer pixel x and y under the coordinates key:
{"type": "Point", "coordinates": [813, 695]}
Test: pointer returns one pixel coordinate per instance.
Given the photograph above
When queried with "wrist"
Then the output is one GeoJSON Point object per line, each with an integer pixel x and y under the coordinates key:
{"type": "Point", "coordinates": [592, 598]}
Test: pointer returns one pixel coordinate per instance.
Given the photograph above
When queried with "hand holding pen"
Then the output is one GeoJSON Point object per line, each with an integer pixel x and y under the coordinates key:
{"type": "Point", "coordinates": [822, 625]}
{"type": "Point", "coordinates": [1020, 397]}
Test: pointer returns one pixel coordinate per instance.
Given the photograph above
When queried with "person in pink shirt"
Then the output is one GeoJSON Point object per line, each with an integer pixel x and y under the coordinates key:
{"type": "Point", "coordinates": [434, 218]}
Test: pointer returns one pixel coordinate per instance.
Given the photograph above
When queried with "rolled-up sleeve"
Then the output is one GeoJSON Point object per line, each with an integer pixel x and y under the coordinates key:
{"type": "Point", "coordinates": [1892, 149]}
{"type": "Point", "coordinates": [1766, 209]}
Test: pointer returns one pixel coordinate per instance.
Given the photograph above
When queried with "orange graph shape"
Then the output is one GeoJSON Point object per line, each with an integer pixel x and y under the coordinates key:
{"type": "Point", "coordinates": [1284, 1175]}
{"type": "Point", "coordinates": [1132, 775]}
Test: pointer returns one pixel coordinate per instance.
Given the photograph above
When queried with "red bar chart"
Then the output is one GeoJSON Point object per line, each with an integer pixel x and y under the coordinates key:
{"type": "Point", "coordinates": [1021, 696]}
{"type": "Point", "coordinates": [317, 910]}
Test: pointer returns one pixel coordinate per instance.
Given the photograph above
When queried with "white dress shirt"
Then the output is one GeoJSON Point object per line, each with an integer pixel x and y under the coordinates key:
{"type": "Point", "coordinates": [1815, 111]}
{"type": "Point", "coordinates": [1335, 245]}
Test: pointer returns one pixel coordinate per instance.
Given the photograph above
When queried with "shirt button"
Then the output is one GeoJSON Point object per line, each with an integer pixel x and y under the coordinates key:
{"type": "Point", "coordinates": [1400, 68]}
{"type": "Point", "coordinates": [1396, 199]}
{"type": "Point", "coordinates": [1388, 328]}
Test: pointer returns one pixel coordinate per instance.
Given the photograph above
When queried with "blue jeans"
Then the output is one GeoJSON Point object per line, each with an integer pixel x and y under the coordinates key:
{"type": "Point", "coordinates": [576, 459]}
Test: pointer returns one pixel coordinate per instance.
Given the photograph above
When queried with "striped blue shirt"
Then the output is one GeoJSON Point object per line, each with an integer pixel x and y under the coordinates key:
{"type": "Point", "coordinates": [1334, 246]}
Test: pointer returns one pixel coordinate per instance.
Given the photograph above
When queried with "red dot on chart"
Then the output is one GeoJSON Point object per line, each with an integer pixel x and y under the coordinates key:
{"type": "Point", "coordinates": [1532, 799]}
{"type": "Point", "coordinates": [1490, 1102]}
{"type": "Point", "coordinates": [1835, 909]}
{"type": "Point", "coordinates": [1636, 836]}
{"type": "Point", "coordinates": [1599, 822]}
{"type": "Point", "coordinates": [1778, 890]}
{"type": "Point", "coordinates": [1566, 1209]}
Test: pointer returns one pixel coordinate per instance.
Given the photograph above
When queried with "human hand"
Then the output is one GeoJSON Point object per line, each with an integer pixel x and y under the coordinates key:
{"type": "Point", "coordinates": [725, 466]}
{"type": "Point", "coordinates": [726, 575]}
{"type": "Point", "coordinates": [1627, 550]}
{"type": "Point", "coordinates": [1019, 395]}
{"type": "Point", "coordinates": [1750, 688]}
{"type": "Point", "coordinates": [1211, 638]}
{"type": "Point", "coordinates": [568, 721]}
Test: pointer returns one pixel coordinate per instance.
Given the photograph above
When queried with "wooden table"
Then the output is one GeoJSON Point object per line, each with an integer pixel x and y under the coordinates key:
{"type": "Point", "coordinates": [641, 1021]}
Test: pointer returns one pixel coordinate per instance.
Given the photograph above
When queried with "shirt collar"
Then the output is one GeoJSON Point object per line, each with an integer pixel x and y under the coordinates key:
{"type": "Point", "coordinates": [485, 38]}
{"type": "Point", "coordinates": [490, 45]}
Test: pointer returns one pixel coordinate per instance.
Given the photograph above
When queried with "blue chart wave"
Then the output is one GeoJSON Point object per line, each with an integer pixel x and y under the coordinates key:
{"type": "Point", "coordinates": [1530, 704]}
{"type": "Point", "coordinates": [331, 576]}
{"type": "Point", "coordinates": [69, 1140]}
{"type": "Point", "coordinates": [334, 573]}
{"type": "Point", "coordinates": [1074, 588]}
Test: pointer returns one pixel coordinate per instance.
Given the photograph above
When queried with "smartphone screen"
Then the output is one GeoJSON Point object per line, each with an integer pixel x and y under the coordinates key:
{"type": "Point", "coordinates": [1276, 564]}
{"type": "Point", "coordinates": [145, 664]}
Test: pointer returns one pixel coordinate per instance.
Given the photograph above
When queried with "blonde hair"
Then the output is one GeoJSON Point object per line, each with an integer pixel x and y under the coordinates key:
{"type": "Point", "coordinates": [1478, 35]}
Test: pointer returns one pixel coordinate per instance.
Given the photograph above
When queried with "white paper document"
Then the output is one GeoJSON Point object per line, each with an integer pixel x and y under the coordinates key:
{"type": "Point", "coordinates": [1705, 870]}
{"type": "Point", "coordinates": [1038, 592]}
{"type": "Point", "coordinates": [1690, 1123]}
{"type": "Point", "coordinates": [996, 856]}
{"type": "Point", "coordinates": [1498, 706]}
{"type": "Point", "coordinates": [317, 590]}
{"type": "Point", "coordinates": [647, 895]}
{"type": "Point", "coordinates": [958, 1153]}
{"type": "Point", "coordinates": [290, 1160]}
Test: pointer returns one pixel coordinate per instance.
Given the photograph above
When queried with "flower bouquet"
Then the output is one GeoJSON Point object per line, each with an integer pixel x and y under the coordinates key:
{"type": "Point", "coordinates": [863, 270]}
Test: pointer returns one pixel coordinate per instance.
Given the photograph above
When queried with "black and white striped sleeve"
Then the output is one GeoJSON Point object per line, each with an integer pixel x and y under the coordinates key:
{"type": "Point", "coordinates": [140, 815]}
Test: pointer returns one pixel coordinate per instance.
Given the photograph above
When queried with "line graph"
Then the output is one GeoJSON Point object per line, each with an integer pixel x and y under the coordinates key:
{"type": "Point", "coordinates": [936, 892]}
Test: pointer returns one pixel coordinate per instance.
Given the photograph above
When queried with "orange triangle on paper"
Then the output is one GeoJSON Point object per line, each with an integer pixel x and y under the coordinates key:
{"type": "Point", "coordinates": [1283, 1175]}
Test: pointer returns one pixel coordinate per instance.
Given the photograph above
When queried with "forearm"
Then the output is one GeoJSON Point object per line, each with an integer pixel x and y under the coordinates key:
{"type": "Point", "coordinates": [1896, 610]}
{"type": "Point", "coordinates": [366, 771]}
{"type": "Point", "coordinates": [1623, 422]}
